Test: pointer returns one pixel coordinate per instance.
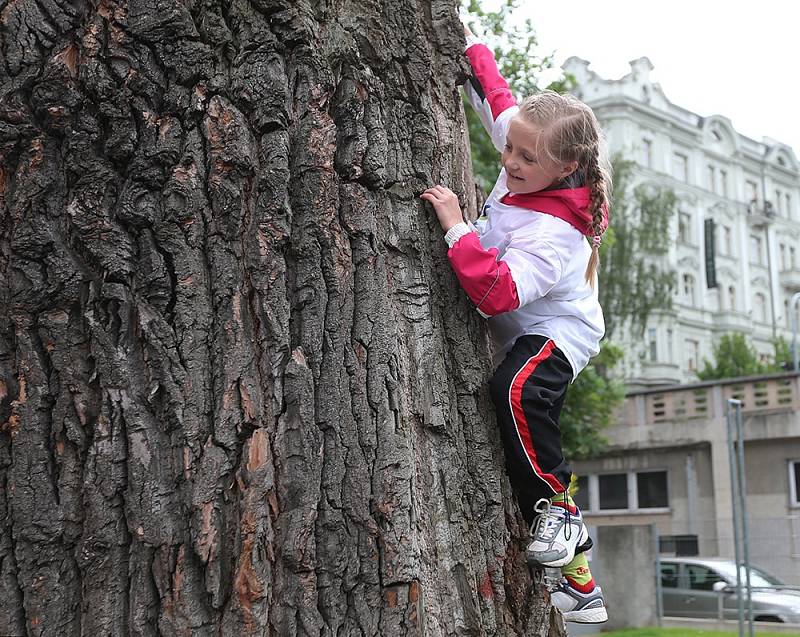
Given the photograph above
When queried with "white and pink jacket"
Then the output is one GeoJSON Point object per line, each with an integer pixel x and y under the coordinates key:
{"type": "Point", "coordinates": [525, 268]}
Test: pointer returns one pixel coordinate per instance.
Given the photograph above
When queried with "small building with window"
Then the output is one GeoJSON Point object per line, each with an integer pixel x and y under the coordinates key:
{"type": "Point", "coordinates": [668, 464]}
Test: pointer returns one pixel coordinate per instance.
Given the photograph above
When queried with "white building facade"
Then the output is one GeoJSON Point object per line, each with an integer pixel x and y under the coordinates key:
{"type": "Point", "coordinates": [751, 191]}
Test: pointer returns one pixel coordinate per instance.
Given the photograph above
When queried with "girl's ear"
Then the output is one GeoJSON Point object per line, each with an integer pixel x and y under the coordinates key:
{"type": "Point", "coordinates": [568, 168]}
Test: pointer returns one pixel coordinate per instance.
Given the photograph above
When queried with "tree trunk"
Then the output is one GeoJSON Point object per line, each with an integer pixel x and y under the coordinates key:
{"type": "Point", "coordinates": [241, 392]}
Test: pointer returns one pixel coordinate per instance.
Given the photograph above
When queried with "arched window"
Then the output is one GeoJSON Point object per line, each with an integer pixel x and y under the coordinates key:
{"type": "Point", "coordinates": [688, 288]}
{"type": "Point", "coordinates": [684, 227]}
{"type": "Point", "coordinates": [732, 298]}
{"type": "Point", "coordinates": [760, 308]}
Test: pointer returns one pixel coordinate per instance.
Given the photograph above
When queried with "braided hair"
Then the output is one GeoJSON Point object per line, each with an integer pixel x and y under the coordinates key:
{"type": "Point", "coordinates": [571, 133]}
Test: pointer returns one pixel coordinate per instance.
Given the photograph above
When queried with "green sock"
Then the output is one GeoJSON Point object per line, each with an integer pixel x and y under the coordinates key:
{"type": "Point", "coordinates": [562, 498]}
{"type": "Point", "coordinates": [578, 574]}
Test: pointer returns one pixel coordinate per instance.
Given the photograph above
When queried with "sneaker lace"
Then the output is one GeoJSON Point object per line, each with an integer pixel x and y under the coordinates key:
{"type": "Point", "coordinates": [568, 530]}
{"type": "Point", "coordinates": [547, 522]}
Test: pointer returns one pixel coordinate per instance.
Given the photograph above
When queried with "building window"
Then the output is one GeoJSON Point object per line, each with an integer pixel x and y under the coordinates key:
{"type": "Point", "coordinates": [788, 205]}
{"type": "Point", "coordinates": [652, 344]}
{"type": "Point", "coordinates": [732, 298]}
{"type": "Point", "coordinates": [711, 178]}
{"type": "Point", "coordinates": [684, 227]}
{"type": "Point", "coordinates": [688, 288]}
{"type": "Point", "coordinates": [629, 491]}
{"type": "Point", "coordinates": [778, 201]}
{"type": "Point", "coordinates": [692, 354]}
{"type": "Point", "coordinates": [792, 262]}
{"type": "Point", "coordinates": [613, 491]}
{"type": "Point", "coordinates": [756, 255]}
{"type": "Point", "coordinates": [794, 481]}
{"type": "Point", "coordinates": [651, 490]}
{"type": "Point", "coordinates": [669, 345]}
{"type": "Point", "coordinates": [723, 179]}
{"type": "Point", "coordinates": [751, 191]}
{"type": "Point", "coordinates": [727, 239]}
{"type": "Point", "coordinates": [680, 163]}
{"type": "Point", "coordinates": [647, 152]}
{"type": "Point", "coordinates": [582, 495]}
{"type": "Point", "coordinates": [782, 250]}
{"type": "Point", "coordinates": [760, 307]}
{"type": "Point", "coordinates": [789, 310]}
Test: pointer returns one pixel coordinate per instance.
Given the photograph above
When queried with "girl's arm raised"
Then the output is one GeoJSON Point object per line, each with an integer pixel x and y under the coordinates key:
{"type": "Point", "coordinates": [488, 92]}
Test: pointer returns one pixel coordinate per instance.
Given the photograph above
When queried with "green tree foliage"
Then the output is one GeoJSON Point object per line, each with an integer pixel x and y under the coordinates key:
{"type": "Point", "coordinates": [784, 360]}
{"type": "Point", "coordinates": [734, 356]}
{"type": "Point", "coordinates": [515, 48]}
{"type": "Point", "coordinates": [635, 284]}
{"type": "Point", "coordinates": [590, 405]}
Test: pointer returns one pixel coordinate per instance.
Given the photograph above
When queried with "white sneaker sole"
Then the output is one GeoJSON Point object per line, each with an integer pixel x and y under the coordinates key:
{"type": "Point", "coordinates": [582, 537]}
{"type": "Point", "coordinates": [589, 616]}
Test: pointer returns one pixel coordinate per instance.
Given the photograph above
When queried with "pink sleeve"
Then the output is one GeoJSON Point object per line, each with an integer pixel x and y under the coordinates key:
{"type": "Point", "coordinates": [487, 281]}
{"type": "Point", "coordinates": [488, 82]}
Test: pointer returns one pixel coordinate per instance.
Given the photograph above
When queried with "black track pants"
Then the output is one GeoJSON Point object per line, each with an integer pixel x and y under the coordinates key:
{"type": "Point", "coordinates": [528, 390]}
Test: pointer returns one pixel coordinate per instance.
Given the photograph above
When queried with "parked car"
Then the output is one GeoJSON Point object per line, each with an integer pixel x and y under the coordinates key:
{"type": "Point", "coordinates": [706, 587]}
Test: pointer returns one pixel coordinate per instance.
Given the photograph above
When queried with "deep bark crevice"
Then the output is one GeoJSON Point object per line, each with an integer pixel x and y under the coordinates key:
{"type": "Point", "coordinates": [240, 391]}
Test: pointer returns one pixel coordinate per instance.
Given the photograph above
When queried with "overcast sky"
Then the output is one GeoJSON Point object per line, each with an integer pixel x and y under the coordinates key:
{"type": "Point", "coordinates": [737, 59]}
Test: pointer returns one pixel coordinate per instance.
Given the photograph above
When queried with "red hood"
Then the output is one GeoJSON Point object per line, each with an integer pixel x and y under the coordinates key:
{"type": "Point", "coordinates": [569, 204]}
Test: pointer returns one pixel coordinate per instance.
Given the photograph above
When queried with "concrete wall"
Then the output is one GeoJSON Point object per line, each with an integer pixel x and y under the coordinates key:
{"type": "Point", "coordinates": [623, 564]}
{"type": "Point", "coordinates": [774, 522]}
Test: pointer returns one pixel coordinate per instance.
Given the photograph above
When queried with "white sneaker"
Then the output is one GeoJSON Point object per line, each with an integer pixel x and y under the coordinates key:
{"type": "Point", "coordinates": [581, 608]}
{"type": "Point", "coordinates": [555, 535]}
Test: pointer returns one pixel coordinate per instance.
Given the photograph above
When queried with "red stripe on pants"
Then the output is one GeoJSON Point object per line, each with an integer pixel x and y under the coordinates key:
{"type": "Point", "coordinates": [521, 422]}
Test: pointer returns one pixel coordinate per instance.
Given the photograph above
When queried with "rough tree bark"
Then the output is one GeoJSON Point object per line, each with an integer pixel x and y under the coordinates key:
{"type": "Point", "coordinates": [240, 390]}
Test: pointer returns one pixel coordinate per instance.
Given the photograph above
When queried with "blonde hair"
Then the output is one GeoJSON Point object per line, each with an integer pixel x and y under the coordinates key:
{"type": "Point", "coordinates": [570, 132]}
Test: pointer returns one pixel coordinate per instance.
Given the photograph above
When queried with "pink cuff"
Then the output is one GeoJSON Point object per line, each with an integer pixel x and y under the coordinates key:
{"type": "Point", "coordinates": [486, 280]}
{"type": "Point", "coordinates": [493, 85]}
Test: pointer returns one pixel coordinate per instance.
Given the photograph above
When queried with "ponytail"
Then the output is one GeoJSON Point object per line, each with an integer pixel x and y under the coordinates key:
{"type": "Point", "coordinates": [598, 179]}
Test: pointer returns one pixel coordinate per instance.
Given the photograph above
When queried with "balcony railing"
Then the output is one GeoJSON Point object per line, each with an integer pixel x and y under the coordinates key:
{"type": "Point", "coordinates": [773, 393]}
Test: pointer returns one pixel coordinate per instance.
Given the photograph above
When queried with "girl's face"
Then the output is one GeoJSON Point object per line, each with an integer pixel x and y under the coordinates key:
{"type": "Point", "coordinates": [528, 166]}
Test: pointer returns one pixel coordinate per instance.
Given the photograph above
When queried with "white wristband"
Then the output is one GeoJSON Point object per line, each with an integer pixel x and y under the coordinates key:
{"type": "Point", "coordinates": [472, 39]}
{"type": "Point", "coordinates": [455, 233]}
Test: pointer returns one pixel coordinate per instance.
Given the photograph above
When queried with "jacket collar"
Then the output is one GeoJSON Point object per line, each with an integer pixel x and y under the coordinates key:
{"type": "Point", "coordinates": [569, 204]}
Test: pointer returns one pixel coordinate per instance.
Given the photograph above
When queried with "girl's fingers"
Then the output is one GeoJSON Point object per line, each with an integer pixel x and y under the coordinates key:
{"type": "Point", "coordinates": [431, 193]}
{"type": "Point", "coordinates": [437, 194]}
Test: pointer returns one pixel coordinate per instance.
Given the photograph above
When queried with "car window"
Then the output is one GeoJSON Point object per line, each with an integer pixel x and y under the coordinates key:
{"type": "Point", "coordinates": [669, 575]}
{"type": "Point", "coordinates": [758, 578]}
{"type": "Point", "coordinates": [702, 578]}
